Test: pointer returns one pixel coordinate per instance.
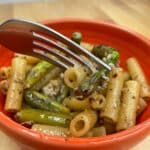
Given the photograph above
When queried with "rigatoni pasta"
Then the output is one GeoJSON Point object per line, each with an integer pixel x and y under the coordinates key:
{"type": "Point", "coordinates": [141, 106]}
{"type": "Point", "coordinates": [16, 86]}
{"type": "Point", "coordinates": [51, 130]}
{"type": "Point", "coordinates": [4, 84]}
{"type": "Point", "coordinates": [5, 72]}
{"type": "Point", "coordinates": [97, 101]}
{"type": "Point", "coordinates": [137, 74]}
{"type": "Point", "coordinates": [30, 60]}
{"type": "Point", "coordinates": [97, 131]}
{"type": "Point", "coordinates": [130, 100]}
{"type": "Point", "coordinates": [75, 102]}
{"type": "Point", "coordinates": [73, 76]}
{"type": "Point", "coordinates": [82, 123]}
{"type": "Point", "coordinates": [111, 109]}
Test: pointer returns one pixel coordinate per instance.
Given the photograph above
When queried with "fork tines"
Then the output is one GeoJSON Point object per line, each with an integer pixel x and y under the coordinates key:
{"type": "Point", "coordinates": [58, 54]}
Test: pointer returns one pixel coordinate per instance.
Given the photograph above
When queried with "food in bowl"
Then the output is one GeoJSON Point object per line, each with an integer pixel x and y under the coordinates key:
{"type": "Point", "coordinates": [75, 102]}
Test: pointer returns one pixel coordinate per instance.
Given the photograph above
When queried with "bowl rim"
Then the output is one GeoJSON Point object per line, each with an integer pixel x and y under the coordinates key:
{"type": "Point", "coordinates": [10, 125]}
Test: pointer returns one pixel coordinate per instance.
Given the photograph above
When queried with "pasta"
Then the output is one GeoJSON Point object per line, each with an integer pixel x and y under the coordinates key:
{"type": "Point", "coordinates": [30, 60]}
{"type": "Point", "coordinates": [141, 106]}
{"type": "Point", "coordinates": [127, 114]}
{"type": "Point", "coordinates": [5, 72]}
{"type": "Point", "coordinates": [97, 131]}
{"type": "Point", "coordinates": [51, 130]}
{"type": "Point", "coordinates": [126, 76]}
{"type": "Point", "coordinates": [4, 84]}
{"type": "Point", "coordinates": [73, 76]}
{"type": "Point", "coordinates": [75, 102]}
{"type": "Point", "coordinates": [97, 101]}
{"type": "Point", "coordinates": [111, 109]}
{"type": "Point", "coordinates": [82, 123]}
{"type": "Point", "coordinates": [15, 90]}
{"type": "Point", "coordinates": [137, 73]}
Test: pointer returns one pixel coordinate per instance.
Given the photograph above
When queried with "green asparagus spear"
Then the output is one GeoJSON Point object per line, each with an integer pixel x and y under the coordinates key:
{"type": "Point", "coordinates": [110, 54]}
{"type": "Point", "coordinates": [46, 78]}
{"type": "Point", "coordinates": [76, 37]}
{"type": "Point", "coordinates": [37, 72]}
{"type": "Point", "coordinates": [55, 72]}
{"type": "Point", "coordinates": [40, 101]}
{"type": "Point", "coordinates": [63, 93]}
{"type": "Point", "coordinates": [43, 117]}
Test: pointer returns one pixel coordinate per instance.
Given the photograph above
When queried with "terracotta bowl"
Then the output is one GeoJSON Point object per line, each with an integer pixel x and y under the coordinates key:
{"type": "Point", "coordinates": [129, 44]}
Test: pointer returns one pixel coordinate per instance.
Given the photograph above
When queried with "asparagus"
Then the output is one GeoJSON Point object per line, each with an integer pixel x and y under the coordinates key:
{"type": "Point", "coordinates": [38, 100]}
{"type": "Point", "coordinates": [90, 83]}
{"type": "Point", "coordinates": [76, 37]}
{"type": "Point", "coordinates": [63, 93]}
{"type": "Point", "coordinates": [43, 117]}
{"type": "Point", "coordinates": [37, 72]}
{"type": "Point", "coordinates": [46, 78]}
{"type": "Point", "coordinates": [111, 56]}
{"type": "Point", "coordinates": [107, 53]}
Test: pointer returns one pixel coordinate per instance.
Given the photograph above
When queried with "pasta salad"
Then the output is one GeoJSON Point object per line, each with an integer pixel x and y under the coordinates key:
{"type": "Point", "coordinates": [75, 102]}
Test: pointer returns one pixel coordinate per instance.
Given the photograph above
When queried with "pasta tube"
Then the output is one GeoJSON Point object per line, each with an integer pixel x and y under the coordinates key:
{"type": "Point", "coordinates": [98, 131]}
{"type": "Point", "coordinates": [15, 91]}
{"type": "Point", "coordinates": [75, 104]}
{"type": "Point", "coordinates": [141, 106]}
{"type": "Point", "coordinates": [97, 101]}
{"type": "Point", "coordinates": [50, 130]}
{"type": "Point", "coordinates": [4, 85]}
{"type": "Point", "coordinates": [126, 76]}
{"type": "Point", "coordinates": [130, 97]}
{"type": "Point", "coordinates": [30, 59]}
{"type": "Point", "coordinates": [137, 74]}
{"type": "Point", "coordinates": [73, 76]}
{"type": "Point", "coordinates": [111, 109]}
{"type": "Point", "coordinates": [5, 72]}
{"type": "Point", "coordinates": [82, 123]}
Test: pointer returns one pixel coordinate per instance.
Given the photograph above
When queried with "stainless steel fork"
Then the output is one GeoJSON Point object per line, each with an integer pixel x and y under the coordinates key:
{"type": "Point", "coordinates": [37, 40]}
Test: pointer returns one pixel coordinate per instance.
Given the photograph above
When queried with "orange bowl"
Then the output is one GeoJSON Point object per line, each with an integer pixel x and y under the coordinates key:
{"type": "Point", "coordinates": [129, 44]}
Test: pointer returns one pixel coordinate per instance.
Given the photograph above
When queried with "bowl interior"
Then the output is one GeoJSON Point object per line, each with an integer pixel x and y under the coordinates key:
{"type": "Point", "coordinates": [128, 44]}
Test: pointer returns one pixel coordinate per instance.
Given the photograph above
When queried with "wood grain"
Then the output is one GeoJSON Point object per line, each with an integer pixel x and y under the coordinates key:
{"type": "Point", "coordinates": [134, 14]}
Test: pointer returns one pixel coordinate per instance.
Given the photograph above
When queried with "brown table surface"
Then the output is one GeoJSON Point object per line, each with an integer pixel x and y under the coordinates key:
{"type": "Point", "coordinates": [134, 14]}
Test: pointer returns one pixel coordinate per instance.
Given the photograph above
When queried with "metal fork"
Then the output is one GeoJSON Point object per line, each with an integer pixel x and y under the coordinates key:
{"type": "Point", "coordinates": [37, 40]}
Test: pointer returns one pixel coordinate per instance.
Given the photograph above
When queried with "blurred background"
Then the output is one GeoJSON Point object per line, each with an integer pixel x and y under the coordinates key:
{"type": "Point", "coordinates": [133, 14]}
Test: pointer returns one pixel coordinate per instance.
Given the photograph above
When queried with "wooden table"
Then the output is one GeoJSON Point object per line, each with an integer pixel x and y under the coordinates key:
{"type": "Point", "coordinates": [134, 14]}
